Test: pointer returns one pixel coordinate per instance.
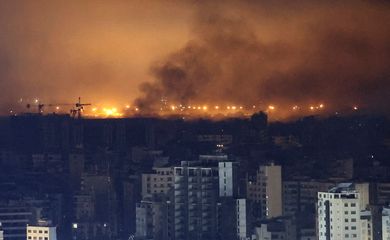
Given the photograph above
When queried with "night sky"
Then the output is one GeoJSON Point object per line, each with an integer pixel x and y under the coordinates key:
{"type": "Point", "coordinates": [191, 52]}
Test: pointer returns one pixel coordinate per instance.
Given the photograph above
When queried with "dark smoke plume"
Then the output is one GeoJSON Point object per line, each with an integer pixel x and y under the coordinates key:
{"type": "Point", "coordinates": [281, 53]}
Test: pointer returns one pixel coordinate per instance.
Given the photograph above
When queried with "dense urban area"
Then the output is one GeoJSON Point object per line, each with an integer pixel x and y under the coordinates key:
{"type": "Point", "coordinates": [173, 179]}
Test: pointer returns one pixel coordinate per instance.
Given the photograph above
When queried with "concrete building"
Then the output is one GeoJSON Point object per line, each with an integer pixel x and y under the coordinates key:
{"type": "Point", "coordinates": [160, 181]}
{"type": "Point", "coordinates": [42, 231]}
{"type": "Point", "coordinates": [14, 219]}
{"type": "Point", "coordinates": [386, 223]}
{"type": "Point", "coordinates": [339, 213]}
{"type": "Point", "coordinates": [195, 202]}
{"type": "Point", "coordinates": [301, 196]}
{"type": "Point", "coordinates": [228, 179]}
{"type": "Point", "coordinates": [84, 207]}
{"type": "Point", "coordinates": [266, 190]}
{"type": "Point", "coordinates": [275, 229]}
{"type": "Point", "coordinates": [367, 225]}
{"type": "Point", "coordinates": [242, 222]}
{"type": "Point", "coordinates": [1, 232]}
{"type": "Point", "coordinates": [152, 218]}
{"type": "Point", "coordinates": [381, 193]}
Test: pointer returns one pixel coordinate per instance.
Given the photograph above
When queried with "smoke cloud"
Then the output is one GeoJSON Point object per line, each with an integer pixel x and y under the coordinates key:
{"type": "Point", "coordinates": [100, 50]}
{"type": "Point", "coordinates": [247, 52]}
{"type": "Point", "coordinates": [285, 53]}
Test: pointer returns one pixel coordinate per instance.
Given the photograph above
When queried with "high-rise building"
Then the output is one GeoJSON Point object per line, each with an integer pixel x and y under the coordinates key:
{"type": "Point", "coordinates": [228, 179]}
{"type": "Point", "coordinates": [339, 213]}
{"type": "Point", "coordinates": [266, 190]}
{"type": "Point", "coordinates": [195, 198]}
{"type": "Point", "coordinates": [153, 218]}
{"type": "Point", "coordinates": [367, 225]}
{"type": "Point", "coordinates": [158, 182]}
{"type": "Point", "coordinates": [301, 196]}
{"type": "Point", "coordinates": [14, 219]}
{"type": "Point", "coordinates": [42, 231]}
{"type": "Point", "coordinates": [275, 229]}
{"type": "Point", "coordinates": [242, 222]}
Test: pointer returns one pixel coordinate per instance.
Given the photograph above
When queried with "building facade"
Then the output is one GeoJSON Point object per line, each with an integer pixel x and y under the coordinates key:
{"type": "Point", "coordinates": [159, 182]}
{"type": "Point", "coordinates": [266, 190]}
{"type": "Point", "coordinates": [195, 198]}
{"type": "Point", "coordinates": [42, 231]}
{"type": "Point", "coordinates": [339, 214]}
{"type": "Point", "coordinates": [386, 223]}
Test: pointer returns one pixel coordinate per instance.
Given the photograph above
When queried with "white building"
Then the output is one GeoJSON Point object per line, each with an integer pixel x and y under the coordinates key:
{"type": "Point", "coordinates": [228, 179]}
{"type": "Point", "coordinates": [266, 190]}
{"type": "Point", "coordinates": [386, 223]}
{"type": "Point", "coordinates": [241, 213]}
{"type": "Point", "coordinates": [367, 226]}
{"type": "Point", "coordinates": [1, 232]}
{"type": "Point", "coordinates": [341, 213]}
{"type": "Point", "coordinates": [42, 231]}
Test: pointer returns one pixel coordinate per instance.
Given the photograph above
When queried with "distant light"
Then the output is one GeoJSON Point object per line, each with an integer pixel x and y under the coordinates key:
{"type": "Point", "coordinates": [36, 100]}
{"type": "Point", "coordinates": [311, 108]}
{"type": "Point", "coordinates": [137, 109]}
{"type": "Point", "coordinates": [199, 107]}
{"type": "Point", "coordinates": [355, 108]}
{"type": "Point", "coordinates": [234, 107]}
{"type": "Point", "coordinates": [216, 107]}
{"type": "Point", "coordinates": [58, 108]}
{"type": "Point", "coordinates": [74, 225]}
{"type": "Point", "coordinates": [321, 105]}
{"type": "Point", "coordinates": [228, 107]}
{"type": "Point", "coordinates": [94, 109]}
{"type": "Point", "coordinates": [295, 107]}
{"type": "Point", "coordinates": [173, 108]}
{"type": "Point", "coordinates": [127, 106]}
{"type": "Point", "coordinates": [204, 107]}
{"type": "Point", "coordinates": [240, 107]}
{"type": "Point", "coordinates": [253, 106]}
{"type": "Point", "coordinates": [271, 107]}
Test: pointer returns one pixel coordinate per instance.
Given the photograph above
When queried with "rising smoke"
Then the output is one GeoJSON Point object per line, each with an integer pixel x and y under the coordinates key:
{"type": "Point", "coordinates": [285, 53]}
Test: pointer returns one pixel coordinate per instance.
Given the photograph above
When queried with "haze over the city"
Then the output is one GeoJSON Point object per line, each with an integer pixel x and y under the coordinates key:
{"type": "Point", "coordinates": [219, 53]}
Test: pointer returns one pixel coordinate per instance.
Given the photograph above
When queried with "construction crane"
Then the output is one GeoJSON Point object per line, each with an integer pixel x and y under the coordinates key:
{"type": "Point", "coordinates": [39, 106]}
{"type": "Point", "coordinates": [79, 107]}
{"type": "Point", "coordinates": [76, 110]}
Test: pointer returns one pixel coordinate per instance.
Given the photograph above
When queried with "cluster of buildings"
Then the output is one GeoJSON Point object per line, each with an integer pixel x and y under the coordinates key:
{"type": "Point", "coordinates": [204, 200]}
{"type": "Point", "coordinates": [170, 179]}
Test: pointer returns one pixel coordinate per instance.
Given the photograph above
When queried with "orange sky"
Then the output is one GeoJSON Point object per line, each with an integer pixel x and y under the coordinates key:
{"type": "Point", "coordinates": [236, 52]}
